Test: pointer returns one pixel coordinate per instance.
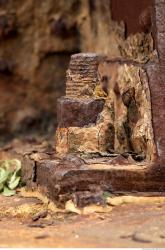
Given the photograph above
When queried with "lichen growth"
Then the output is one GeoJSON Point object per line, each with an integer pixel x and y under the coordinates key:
{"type": "Point", "coordinates": [99, 92]}
{"type": "Point", "coordinates": [138, 47]}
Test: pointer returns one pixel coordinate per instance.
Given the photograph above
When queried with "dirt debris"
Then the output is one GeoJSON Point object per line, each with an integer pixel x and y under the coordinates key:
{"type": "Point", "coordinates": [126, 225]}
{"type": "Point", "coordinates": [37, 206]}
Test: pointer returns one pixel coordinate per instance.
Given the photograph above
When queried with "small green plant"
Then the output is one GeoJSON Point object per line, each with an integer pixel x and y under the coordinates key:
{"type": "Point", "coordinates": [106, 195]}
{"type": "Point", "coordinates": [9, 176]}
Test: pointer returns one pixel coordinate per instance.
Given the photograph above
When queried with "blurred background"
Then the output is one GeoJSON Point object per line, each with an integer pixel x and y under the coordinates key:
{"type": "Point", "coordinates": [37, 38]}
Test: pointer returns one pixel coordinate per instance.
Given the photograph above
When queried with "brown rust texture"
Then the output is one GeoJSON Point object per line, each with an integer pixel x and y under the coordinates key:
{"type": "Point", "coordinates": [36, 41]}
{"type": "Point", "coordinates": [133, 94]}
{"type": "Point", "coordinates": [156, 73]}
{"type": "Point", "coordinates": [135, 10]}
{"type": "Point", "coordinates": [123, 123]}
{"type": "Point", "coordinates": [78, 113]}
{"type": "Point", "coordinates": [113, 108]}
{"type": "Point", "coordinates": [132, 119]}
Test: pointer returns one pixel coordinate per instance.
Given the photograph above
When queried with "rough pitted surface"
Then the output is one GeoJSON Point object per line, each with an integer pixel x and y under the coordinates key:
{"type": "Point", "coordinates": [122, 125]}
{"type": "Point", "coordinates": [131, 123]}
{"type": "Point", "coordinates": [36, 41]}
{"type": "Point", "coordinates": [78, 112]}
{"type": "Point", "coordinates": [82, 75]}
{"type": "Point", "coordinates": [82, 199]}
{"type": "Point", "coordinates": [70, 161]}
{"type": "Point", "coordinates": [139, 47]}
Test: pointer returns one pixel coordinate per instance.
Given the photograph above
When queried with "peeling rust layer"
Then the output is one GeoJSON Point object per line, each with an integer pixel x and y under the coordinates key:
{"type": "Point", "coordinates": [127, 127]}
{"type": "Point", "coordinates": [122, 125]}
{"type": "Point", "coordinates": [71, 182]}
{"type": "Point", "coordinates": [67, 28]}
{"type": "Point", "coordinates": [82, 180]}
{"type": "Point", "coordinates": [135, 109]}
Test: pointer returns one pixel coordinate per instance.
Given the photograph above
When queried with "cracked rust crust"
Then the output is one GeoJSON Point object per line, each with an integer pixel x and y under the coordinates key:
{"type": "Point", "coordinates": [117, 107]}
{"type": "Point", "coordinates": [130, 127]}
{"type": "Point", "coordinates": [122, 125]}
{"type": "Point", "coordinates": [123, 147]}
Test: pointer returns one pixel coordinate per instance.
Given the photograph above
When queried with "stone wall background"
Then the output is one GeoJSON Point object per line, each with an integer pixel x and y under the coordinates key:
{"type": "Point", "coordinates": [37, 38]}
